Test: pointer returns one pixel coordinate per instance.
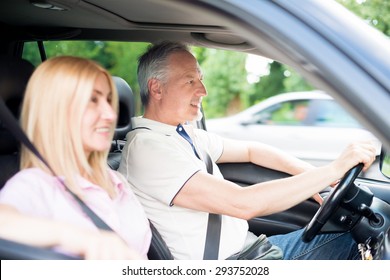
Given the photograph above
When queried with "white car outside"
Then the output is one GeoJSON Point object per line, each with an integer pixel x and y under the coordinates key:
{"type": "Point", "coordinates": [309, 125]}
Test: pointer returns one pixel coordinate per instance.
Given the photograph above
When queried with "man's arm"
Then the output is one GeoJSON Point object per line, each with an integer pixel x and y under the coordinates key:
{"type": "Point", "coordinates": [266, 156]}
{"type": "Point", "coordinates": [208, 193]}
{"type": "Point", "coordinates": [263, 155]}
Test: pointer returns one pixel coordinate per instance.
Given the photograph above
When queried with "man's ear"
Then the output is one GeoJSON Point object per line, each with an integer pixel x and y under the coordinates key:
{"type": "Point", "coordinates": [154, 86]}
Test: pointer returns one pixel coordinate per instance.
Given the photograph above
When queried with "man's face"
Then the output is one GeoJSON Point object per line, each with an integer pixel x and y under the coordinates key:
{"type": "Point", "coordinates": [183, 92]}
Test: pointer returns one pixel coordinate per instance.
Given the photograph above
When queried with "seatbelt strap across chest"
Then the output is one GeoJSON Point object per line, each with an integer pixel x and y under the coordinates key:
{"type": "Point", "coordinates": [211, 247]}
{"type": "Point", "coordinates": [213, 234]}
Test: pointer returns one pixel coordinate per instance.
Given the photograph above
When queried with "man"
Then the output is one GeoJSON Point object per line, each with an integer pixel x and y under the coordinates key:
{"type": "Point", "coordinates": [171, 180]}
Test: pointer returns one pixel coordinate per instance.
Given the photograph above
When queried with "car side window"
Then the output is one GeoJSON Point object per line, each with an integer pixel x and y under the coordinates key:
{"type": "Point", "coordinates": [285, 113]}
{"type": "Point", "coordinates": [329, 113]}
{"type": "Point", "coordinates": [31, 53]}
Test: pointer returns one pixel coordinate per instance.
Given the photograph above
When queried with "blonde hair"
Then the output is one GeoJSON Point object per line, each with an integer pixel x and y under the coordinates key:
{"type": "Point", "coordinates": [55, 100]}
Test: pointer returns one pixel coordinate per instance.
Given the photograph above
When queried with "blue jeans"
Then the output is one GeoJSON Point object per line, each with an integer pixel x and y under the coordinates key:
{"type": "Point", "coordinates": [335, 246]}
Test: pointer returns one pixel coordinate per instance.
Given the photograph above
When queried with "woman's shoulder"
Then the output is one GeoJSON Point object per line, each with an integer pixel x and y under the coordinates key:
{"type": "Point", "coordinates": [32, 172]}
{"type": "Point", "coordinates": [27, 189]}
{"type": "Point", "coordinates": [117, 178]}
{"type": "Point", "coordinates": [29, 176]}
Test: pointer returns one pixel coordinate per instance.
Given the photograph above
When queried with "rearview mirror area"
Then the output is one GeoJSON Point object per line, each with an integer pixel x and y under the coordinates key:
{"type": "Point", "coordinates": [384, 163]}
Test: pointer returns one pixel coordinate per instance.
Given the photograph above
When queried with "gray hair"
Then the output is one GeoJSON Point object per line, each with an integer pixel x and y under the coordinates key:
{"type": "Point", "coordinates": [153, 64]}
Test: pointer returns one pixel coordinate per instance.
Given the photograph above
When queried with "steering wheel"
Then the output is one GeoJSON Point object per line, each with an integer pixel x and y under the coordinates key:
{"type": "Point", "coordinates": [331, 203]}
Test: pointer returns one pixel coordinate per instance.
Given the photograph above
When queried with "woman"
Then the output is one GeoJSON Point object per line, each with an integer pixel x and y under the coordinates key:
{"type": "Point", "coordinates": [69, 113]}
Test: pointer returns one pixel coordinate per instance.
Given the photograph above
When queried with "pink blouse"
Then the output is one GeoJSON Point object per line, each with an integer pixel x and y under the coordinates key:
{"type": "Point", "coordinates": [37, 193]}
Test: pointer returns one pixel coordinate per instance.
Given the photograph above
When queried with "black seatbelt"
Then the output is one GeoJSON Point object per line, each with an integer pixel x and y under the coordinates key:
{"type": "Point", "coordinates": [213, 234]}
{"type": "Point", "coordinates": [10, 122]}
{"type": "Point", "coordinates": [211, 247]}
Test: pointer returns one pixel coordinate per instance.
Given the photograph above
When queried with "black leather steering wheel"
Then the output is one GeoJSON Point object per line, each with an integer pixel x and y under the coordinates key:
{"type": "Point", "coordinates": [330, 204]}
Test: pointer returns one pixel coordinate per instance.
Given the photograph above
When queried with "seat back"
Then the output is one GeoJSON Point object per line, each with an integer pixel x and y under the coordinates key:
{"type": "Point", "coordinates": [14, 75]}
{"type": "Point", "coordinates": [158, 249]}
{"type": "Point", "coordinates": [126, 112]}
{"type": "Point", "coordinates": [126, 108]}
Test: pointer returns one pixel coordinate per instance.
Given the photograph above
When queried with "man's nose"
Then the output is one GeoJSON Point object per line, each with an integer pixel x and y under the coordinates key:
{"type": "Point", "coordinates": [201, 91]}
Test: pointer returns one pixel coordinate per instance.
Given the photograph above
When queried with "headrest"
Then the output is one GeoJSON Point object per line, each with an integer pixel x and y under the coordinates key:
{"type": "Point", "coordinates": [14, 75]}
{"type": "Point", "coordinates": [126, 108]}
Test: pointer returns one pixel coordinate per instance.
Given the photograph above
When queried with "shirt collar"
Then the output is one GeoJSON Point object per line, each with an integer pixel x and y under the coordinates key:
{"type": "Point", "coordinates": [140, 122]}
{"type": "Point", "coordinates": [85, 184]}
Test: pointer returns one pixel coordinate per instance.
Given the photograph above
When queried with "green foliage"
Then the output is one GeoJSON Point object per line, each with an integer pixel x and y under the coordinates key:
{"type": "Point", "coordinates": [293, 81]}
{"type": "Point", "coordinates": [225, 78]}
{"type": "Point", "coordinates": [375, 12]}
{"type": "Point", "coordinates": [386, 166]}
{"type": "Point", "coordinates": [228, 89]}
{"type": "Point", "coordinates": [119, 58]}
{"type": "Point", "coordinates": [124, 64]}
{"type": "Point", "coordinates": [200, 54]}
{"type": "Point", "coordinates": [268, 85]}
{"type": "Point", "coordinates": [281, 77]}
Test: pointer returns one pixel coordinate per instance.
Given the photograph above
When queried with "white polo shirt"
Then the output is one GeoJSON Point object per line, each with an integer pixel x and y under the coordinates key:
{"type": "Point", "coordinates": [157, 162]}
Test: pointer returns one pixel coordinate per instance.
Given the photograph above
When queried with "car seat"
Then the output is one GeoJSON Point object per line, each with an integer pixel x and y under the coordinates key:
{"type": "Point", "coordinates": [14, 75]}
{"type": "Point", "coordinates": [126, 112]}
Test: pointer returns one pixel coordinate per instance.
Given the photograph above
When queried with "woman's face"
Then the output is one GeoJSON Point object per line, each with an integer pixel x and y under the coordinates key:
{"type": "Point", "coordinates": [99, 118]}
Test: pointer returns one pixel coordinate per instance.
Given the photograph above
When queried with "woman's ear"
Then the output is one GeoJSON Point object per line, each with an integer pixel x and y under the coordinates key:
{"type": "Point", "coordinates": [154, 86]}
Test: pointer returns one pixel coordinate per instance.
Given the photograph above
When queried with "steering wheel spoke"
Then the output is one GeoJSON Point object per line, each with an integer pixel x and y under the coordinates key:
{"type": "Point", "coordinates": [331, 203]}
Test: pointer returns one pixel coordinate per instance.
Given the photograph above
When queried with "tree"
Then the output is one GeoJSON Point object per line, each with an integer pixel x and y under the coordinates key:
{"type": "Point", "coordinates": [225, 77]}
{"type": "Point", "coordinates": [375, 12]}
{"type": "Point", "coordinates": [119, 58]}
{"type": "Point", "coordinates": [124, 62]}
{"type": "Point", "coordinates": [294, 81]}
{"type": "Point", "coordinates": [268, 85]}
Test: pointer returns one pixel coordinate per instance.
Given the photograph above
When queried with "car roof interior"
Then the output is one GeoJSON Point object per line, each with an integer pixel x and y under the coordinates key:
{"type": "Point", "coordinates": [143, 21]}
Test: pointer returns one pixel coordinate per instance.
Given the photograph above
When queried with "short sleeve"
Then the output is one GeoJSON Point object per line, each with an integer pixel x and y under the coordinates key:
{"type": "Point", "coordinates": [26, 192]}
{"type": "Point", "coordinates": [212, 142]}
{"type": "Point", "coordinates": [158, 166]}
